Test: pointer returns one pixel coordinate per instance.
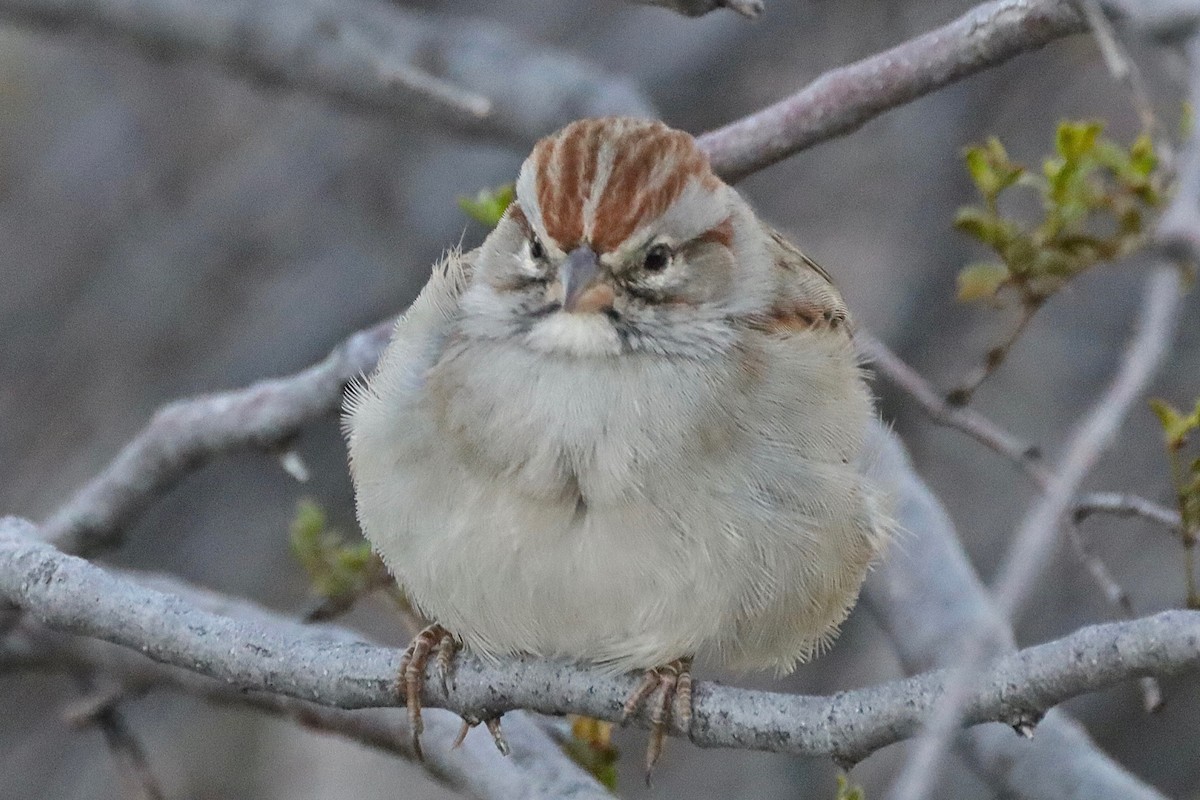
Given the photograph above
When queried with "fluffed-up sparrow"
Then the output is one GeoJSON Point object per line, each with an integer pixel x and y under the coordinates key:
{"type": "Point", "coordinates": [625, 430]}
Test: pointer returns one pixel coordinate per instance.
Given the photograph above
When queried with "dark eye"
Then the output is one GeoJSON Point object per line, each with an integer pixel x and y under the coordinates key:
{"type": "Point", "coordinates": [657, 258]}
{"type": "Point", "coordinates": [536, 250]}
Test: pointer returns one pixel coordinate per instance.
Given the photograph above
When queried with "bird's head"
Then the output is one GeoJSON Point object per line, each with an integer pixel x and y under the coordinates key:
{"type": "Point", "coordinates": [621, 239]}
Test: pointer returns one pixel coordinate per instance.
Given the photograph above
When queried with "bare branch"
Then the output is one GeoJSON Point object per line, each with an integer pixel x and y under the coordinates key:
{"type": "Point", "coordinates": [122, 742]}
{"type": "Point", "coordinates": [929, 599]}
{"type": "Point", "coordinates": [538, 768]}
{"type": "Point", "coordinates": [964, 419]}
{"type": "Point", "coordinates": [69, 594]}
{"type": "Point", "coordinates": [996, 438]}
{"type": "Point", "coordinates": [364, 55]}
{"type": "Point", "coordinates": [1031, 543]}
{"type": "Point", "coordinates": [842, 100]}
{"type": "Point", "coordinates": [698, 8]}
{"type": "Point", "coordinates": [1178, 231]}
{"type": "Point", "coordinates": [186, 433]}
{"type": "Point", "coordinates": [1126, 505]}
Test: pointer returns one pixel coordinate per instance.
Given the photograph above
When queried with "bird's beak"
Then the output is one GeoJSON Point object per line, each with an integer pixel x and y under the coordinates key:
{"type": "Point", "coordinates": [578, 276]}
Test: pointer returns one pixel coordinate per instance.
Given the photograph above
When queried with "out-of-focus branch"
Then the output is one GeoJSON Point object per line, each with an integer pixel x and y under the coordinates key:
{"type": "Point", "coordinates": [1178, 231]}
{"type": "Point", "coordinates": [992, 436]}
{"type": "Point", "coordinates": [698, 8]}
{"type": "Point", "coordinates": [470, 74]}
{"type": "Point", "coordinates": [184, 434]}
{"type": "Point", "coordinates": [1125, 505]}
{"type": "Point", "coordinates": [536, 769]}
{"type": "Point", "coordinates": [842, 100]}
{"type": "Point", "coordinates": [69, 594]}
{"type": "Point", "coordinates": [1031, 544]}
{"type": "Point", "coordinates": [127, 751]}
{"type": "Point", "coordinates": [929, 600]}
{"type": "Point", "coordinates": [961, 418]}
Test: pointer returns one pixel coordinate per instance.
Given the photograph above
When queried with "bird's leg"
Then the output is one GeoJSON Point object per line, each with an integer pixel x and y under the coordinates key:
{"type": "Point", "coordinates": [433, 640]}
{"type": "Point", "coordinates": [674, 703]}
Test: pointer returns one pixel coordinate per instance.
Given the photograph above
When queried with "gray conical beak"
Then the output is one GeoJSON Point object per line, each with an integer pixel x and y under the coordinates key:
{"type": "Point", "coordinates": [577, 274]}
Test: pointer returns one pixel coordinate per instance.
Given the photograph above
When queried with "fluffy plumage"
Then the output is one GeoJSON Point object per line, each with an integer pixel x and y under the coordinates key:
{"type": "Point", "coordinates": [626, 429]}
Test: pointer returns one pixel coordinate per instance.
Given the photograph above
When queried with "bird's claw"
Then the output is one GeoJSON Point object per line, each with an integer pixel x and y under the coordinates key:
{"type": "Point", "coordinates": [673, 704]}
{"type": "Point", "coordinates": [433, 640]}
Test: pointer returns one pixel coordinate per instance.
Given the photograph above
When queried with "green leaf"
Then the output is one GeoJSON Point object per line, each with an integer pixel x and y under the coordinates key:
{"type": "Point", "coordinates": [985, 226]}
{"type": "Point", "coordinates": [1074, 140]}
{"type": "Point", "coordinates": [488, 205]}
{"type": "Point", "coordinates": [981, 281]}
{"type": "Point", "coordinates": [1175, 426]}
{"type": "Point", "coordinates": [1142, 158]}
{"type": "Point", "coordinates": [982, 172]}
{"type": "Point", "coordinates": [847, 790]}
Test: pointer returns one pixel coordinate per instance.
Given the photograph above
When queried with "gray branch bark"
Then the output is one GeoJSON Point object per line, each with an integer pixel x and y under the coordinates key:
{"type": "Point", "coordinates": [843, 99]}
{"type": "Point", "coordinates": [929, 599]}
{"type": "Point", "coordinates": [1037, 532]}
{"type": "Point", "coordinates": [69, 594]}
{"type": "Point", "coordinates": [468, 73]}
{"type": "Point", "coordinates": [537, 767]}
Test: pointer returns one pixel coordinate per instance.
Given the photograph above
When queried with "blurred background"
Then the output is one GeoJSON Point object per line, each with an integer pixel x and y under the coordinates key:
{"type": "Point", "coordinates": [167, 228]}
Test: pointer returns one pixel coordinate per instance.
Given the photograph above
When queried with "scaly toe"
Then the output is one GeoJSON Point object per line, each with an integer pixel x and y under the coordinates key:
{"type": "Point", "coordinates": [412, 676]}
{"type": "Point", "coordinates": [673, 704]}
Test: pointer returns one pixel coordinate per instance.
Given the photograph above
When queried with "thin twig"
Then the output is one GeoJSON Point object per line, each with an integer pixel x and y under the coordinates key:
{"type": "Point", "coordinates": [1032, 542]}
{"type": "Point", "coordinates": [1125, 71]}
{"type": "Point", "coordinates": [1125, 505]}
{"type": "Point", "coordinates": [127, 752]}
{"type": "Point", "coordinates": [1117, 596]}
{"type": "Point", "coordinates": [961, 395]}
{"type": "Point", "coordinates": [970, 422]}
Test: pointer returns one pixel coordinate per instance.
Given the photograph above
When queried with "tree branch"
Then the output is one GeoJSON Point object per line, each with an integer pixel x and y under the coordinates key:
{"type": "Point", "coordinates": [70, 594]}
{"type": "Point", "coordinates": [1031, 544]}
{"type": "Point", "coordinates": [842, 100]}
{"type": "Point", "coordinates": [698, 8]}
{"type": "Point", "coordinates": [536, 769]}
{"type": "Point", "coordinates": [929, 599]}
{"type": "Point", "coordinates": [371, 56]}
{"type": "Point", "coordinates": [185, 434]}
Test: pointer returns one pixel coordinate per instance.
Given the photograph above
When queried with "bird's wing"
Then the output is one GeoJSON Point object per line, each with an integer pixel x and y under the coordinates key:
{"type": "Point", "coordinates": [805, 297]}
{"type": "Point", "coordinates": [418, 329]}
{"type": "Point", "coordinates": [438, 301]}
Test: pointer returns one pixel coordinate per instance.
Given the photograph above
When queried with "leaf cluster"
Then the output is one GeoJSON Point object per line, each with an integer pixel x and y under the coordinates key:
{"type": "Point", "coordinates": [847, 790]}
{"type": "Point", "coordinates": [339, 571]}
{"type": "Point", "coordinates": [1094, 195]}
{"type": "Point", "coordinates": [1178, 428]}
{"type": "Point", "coordinates": [488, 205]}
{"type": "Point", "coordinates": [591, 747]}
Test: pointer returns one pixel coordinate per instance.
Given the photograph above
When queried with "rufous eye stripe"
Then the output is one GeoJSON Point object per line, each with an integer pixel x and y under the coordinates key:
{"type": "Point", "coordinates": [645, 167]}
{"type": "Point", "coordinates": [719, 234]}
{"type": "Point", "coordinates": [517, 215]}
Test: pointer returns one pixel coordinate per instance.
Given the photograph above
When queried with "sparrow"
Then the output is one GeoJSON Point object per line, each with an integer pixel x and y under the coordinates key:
{"type": "Point", "coordinates": [627, 430]}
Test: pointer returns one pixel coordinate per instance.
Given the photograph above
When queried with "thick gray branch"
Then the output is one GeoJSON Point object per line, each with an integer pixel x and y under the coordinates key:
{"type": "Point", "coordinates": [472, 74]}
{"type": "Point", "coordinates": [69, 594]}
{"type": "Point", "coordinates": [1035, 536]}
{"type": "Point", "coordinates": [842, 100]}
{"type": "Point", "coordinates": [537, 767]}
{"type": "Point", "coordinates": [928, 598]}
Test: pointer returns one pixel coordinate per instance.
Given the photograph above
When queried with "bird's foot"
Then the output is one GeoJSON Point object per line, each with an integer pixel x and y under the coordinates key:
{"type": "Point", "coordinates": [432, 641]}
{"type": "Point", "coordinates": [673, 704]}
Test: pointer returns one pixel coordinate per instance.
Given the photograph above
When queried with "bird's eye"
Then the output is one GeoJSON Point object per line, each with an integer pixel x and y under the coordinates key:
{"type": "Point", "coordinates": [536, 249]}
{"type": "Point", "coordinates": [657, 258]}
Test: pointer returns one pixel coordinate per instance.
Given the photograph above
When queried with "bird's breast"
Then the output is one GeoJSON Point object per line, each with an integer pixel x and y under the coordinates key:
{"type": "Point", "coordinates": [588, 429]}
